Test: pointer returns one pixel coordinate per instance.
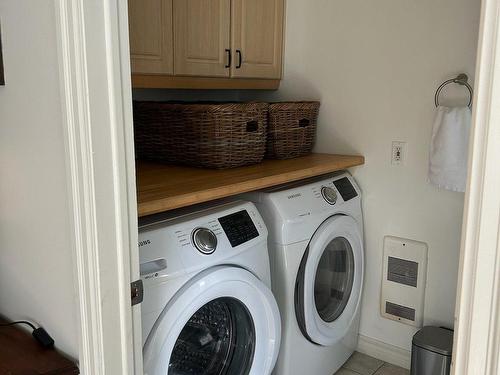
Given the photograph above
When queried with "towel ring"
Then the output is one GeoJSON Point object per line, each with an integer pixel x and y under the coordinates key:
{"type": "Point", "coordinates": [461, 79]}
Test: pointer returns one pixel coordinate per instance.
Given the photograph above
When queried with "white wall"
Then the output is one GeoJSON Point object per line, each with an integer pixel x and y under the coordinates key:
{"type": "Point", "coordinates": [375, 66]}
{"type": "Point", "coordinates": [36, 268]}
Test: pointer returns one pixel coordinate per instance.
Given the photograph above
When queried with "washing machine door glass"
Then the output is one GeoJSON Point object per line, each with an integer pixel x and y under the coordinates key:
{"type": "Point", "coordinates": [223, 321]}
{"type": "Point", "coordinates": [334, 279]}
{"type": "Point", "coordinates": [218, 339]}
{"type": "Point", "coordinates": [329, 281]}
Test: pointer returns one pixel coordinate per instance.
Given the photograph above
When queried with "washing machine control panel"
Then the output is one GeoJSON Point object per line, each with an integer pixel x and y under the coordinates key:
{"type": "Point", "coordinates": [204, 240]}
{"type": "Point", "coordinates": [239, 227]}
{"type": "Point", "coordinates": [175, 244]}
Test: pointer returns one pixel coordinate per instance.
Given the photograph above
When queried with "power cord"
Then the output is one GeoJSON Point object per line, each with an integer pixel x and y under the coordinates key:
{"type": "Point", "coordinates": [18, 322]}
{"type": "Point", "coordinates": [40, 334]}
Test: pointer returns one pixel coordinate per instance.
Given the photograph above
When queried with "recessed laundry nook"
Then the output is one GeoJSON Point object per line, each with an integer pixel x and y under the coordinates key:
{"type": "Point", "coordinates": [249, 187]}
{"type": "Point", "coordinates": [351, 273]}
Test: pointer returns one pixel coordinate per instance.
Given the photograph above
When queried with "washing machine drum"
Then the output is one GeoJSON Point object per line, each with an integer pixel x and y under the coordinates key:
{"type": "Point", "coordinates": [329, 281]}
{"type": "Point", "coordinates": [224, 321]}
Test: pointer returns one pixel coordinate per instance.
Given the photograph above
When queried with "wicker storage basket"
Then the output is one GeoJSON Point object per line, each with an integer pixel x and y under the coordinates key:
{"type": "Point", "coordinates": [291, 129]}
{"type": "Point", "coordinates": [202, 135]}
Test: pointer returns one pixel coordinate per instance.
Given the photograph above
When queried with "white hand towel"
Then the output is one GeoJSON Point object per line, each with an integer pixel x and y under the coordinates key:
{"type": "Point", "coordinates": [449, 148]}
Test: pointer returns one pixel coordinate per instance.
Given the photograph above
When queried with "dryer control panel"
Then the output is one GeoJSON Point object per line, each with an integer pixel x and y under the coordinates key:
{"type": "Point", "coordinates": [294, 211]}
{"type": "Point", "coordinates": [345, 188]}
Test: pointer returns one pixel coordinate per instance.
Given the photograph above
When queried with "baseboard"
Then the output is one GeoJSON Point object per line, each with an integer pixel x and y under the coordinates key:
{"type": "Point", "coordinates": [383, 351]}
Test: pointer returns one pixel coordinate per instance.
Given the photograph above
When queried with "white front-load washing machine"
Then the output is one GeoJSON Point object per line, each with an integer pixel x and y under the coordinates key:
{"type": "Point", "coordinates": [208, 308]}
{"type": "Point", "coordinates": [317, 261]}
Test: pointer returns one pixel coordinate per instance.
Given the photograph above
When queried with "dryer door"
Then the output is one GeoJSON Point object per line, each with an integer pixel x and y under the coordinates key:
{"type": "Point", "coordinates": [223, 321]}
{"type": "Point", "coordinates": [329, 281]}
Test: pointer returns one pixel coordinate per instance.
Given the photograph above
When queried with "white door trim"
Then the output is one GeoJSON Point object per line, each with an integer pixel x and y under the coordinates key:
{"type": "Point", "coordinates": [96, 91]}
{"type": "Point", "coordinates": [477, 335]}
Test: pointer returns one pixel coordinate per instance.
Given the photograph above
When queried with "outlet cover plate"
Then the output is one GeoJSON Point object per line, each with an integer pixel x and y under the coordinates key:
{"type": "Point", "coordinates": [398, 154]}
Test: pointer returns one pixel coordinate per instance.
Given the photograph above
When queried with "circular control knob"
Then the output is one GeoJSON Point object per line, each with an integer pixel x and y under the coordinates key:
{"type": "Point", "coordinates": [204, 240]}
{"type": "Point", "coordinates": [329, 194]}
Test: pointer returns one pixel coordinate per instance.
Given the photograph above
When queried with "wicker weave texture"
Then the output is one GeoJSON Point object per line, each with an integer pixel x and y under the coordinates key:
{"type": "Point", "coordinates": [202, 135]}
{"type": "Point", "coordinates": [291, 129]}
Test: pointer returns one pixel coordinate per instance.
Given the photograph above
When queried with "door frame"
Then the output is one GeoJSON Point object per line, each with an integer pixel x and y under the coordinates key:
{"type": "Point", "coordinates": [477, 314]}
{"type": "Point", "coordinates": [96, 91]}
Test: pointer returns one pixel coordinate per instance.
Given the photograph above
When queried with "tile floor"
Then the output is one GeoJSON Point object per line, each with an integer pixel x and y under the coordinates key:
{"type": "Point", "coordinates": [362, 364]}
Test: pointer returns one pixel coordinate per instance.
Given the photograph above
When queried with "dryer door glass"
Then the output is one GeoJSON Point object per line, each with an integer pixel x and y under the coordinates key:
{"type": "Point", "coordinates": [334, 279]}
{"type": "Point", "coordinates": [218, 339]}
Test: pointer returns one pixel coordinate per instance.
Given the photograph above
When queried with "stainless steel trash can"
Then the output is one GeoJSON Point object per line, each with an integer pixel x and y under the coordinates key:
{"type": "Point", "coordinates": [431, 351]}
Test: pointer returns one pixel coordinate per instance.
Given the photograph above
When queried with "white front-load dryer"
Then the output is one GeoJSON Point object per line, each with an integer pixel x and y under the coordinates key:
{"type": "Point", "coordinates": [317, 264]}
{"type": "Point", "coordinates": [208, 308]}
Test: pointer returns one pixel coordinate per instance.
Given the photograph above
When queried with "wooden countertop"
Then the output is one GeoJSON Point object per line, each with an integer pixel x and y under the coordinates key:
{"type": "Point", "coordinates": [163, 187]}
{"type": "Point", "coordinates": [21, 354]}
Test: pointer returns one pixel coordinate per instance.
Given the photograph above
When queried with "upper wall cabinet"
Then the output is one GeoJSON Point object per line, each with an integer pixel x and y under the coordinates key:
{"type": "Point", "coordinates": [201, 37]}
{"type": "Point", "coordinates": [206, 43]}
{"type": "Point", "coordinates": [257, 38]}
{"type": "Point", "coordinates": [151, 37]}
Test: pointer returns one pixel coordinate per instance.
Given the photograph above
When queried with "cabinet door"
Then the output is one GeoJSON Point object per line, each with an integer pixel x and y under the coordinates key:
{"type": "Point", "coordinates": [151, 36]}
{"type": "Point", "coordinates": [201, 37]}
{"type": "Point", "coordinates": [257, 38]}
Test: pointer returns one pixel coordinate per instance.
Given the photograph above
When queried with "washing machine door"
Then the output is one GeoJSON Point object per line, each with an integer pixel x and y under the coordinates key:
{"type": "Point", "coordinates": [224, 321]}
{"type": "Point", "coordinates": [329, 281]}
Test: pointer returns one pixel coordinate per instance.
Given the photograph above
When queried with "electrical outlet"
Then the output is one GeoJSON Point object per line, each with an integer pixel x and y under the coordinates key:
{"type": "Point", "coordinates": [398, 153]}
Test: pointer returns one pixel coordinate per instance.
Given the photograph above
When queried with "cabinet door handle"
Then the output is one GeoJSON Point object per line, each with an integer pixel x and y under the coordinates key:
{"type": "Point", "coordinates": [228, 51]}
{"type": "Point", "coordinates": [238, 52]}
